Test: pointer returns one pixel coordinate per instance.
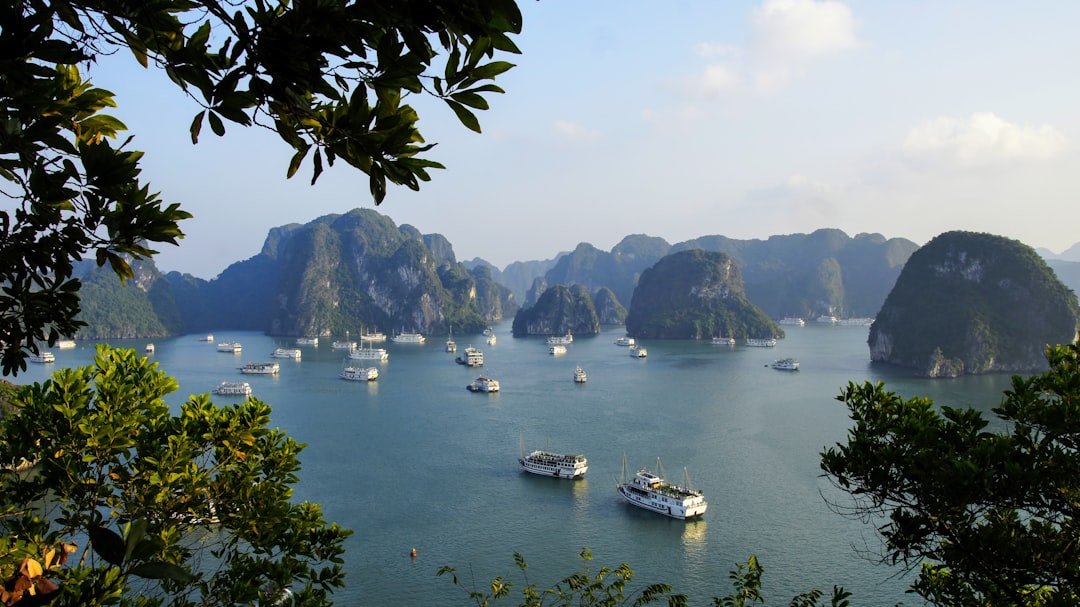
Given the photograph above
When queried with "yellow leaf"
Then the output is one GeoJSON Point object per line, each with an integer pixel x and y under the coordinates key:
{"type": "Point", "coordinates": [30, 568]}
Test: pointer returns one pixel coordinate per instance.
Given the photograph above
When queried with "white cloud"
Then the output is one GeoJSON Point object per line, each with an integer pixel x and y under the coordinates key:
{"type": "Point", "coordinates": [982, 139]}
{"type": "Point", "coordinates": [572, 131]}
{"type": "Point", "coordinates": [785, 37]}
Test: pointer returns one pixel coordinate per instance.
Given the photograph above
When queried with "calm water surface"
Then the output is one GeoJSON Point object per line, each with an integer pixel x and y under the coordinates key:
{"type": "Point", "coordinates": [416, 461]}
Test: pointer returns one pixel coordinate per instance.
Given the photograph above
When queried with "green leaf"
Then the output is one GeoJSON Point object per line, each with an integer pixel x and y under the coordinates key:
{"type": "Point", "coordinates": [196, 126]}
{"type": "Point", "coordinates": [107, 544]}
{"type": "Point", "coordinates": [466, 117]}
{"type": "Point", "coordinates": [158, 570]}
{"type": "Point", "coordinates": [216, 125]}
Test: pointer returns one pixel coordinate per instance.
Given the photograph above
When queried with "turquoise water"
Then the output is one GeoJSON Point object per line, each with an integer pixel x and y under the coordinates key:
{"type": "Point", "coordinates": [415, 460]}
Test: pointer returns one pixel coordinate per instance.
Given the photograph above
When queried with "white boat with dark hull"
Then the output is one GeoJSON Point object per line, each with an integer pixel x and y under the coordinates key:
{"type": "Point", "coordinates": [261, 368]}
{"type": "Point", "coordinates": [556, 349]}
{"type": "Point", "coordinates": [360, 373]}
{"type": "Point", "coordinates": [651, 492]}
{"type": "Point", "coordinates": [472, 358]}
{"type": "Point", "coordinates": [208, 337]}
{"type": "Point", "coordinates": [408, 338]}
{"type": "Point", "coordinates": [483, 384]}
{"type": "Point", "coordinates": [233, 388]}
{"type": "Point", "coordinates": [149, 349]}
{"type": "Point", "coordinates": [230, 347]}
{"type": "Point", "coordinates": [556, 465]}
{"type": "Point", "coordinates": [786, 364]}
{"type": "Point", "coordinates": [755, 342]}
{"type": "Point", "coordinates": [625, 341]}
{"type": "Point", "coordinates": [638, 352]}
{"type": "Point", "coordinates": [379, 354]}
{"type": "Point", "coordinates": [561, 339]}
{"type": "Point", "coordinates": [286, 353]}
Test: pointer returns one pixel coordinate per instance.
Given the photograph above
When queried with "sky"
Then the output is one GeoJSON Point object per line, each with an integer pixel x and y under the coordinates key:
{"type": "Point", "coordinates": [685, 119]}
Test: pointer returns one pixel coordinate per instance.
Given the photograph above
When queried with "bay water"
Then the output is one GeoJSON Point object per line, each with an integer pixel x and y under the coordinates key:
{"type": "Point", "coordinates": [415, 461]}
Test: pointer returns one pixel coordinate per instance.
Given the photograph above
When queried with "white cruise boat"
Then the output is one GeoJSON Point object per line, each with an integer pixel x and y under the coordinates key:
{"type": "Point", "coordinates": [723, 341]}
{"type": "Point", "coordinates": [826, 319]}
{"type": "Point", "coordinates": [651, 492]}
{"type": "Point", "coordinates": [233, 388]}
{"type": "Point", "coordinates": [65, 344]}
{"type": "Point", "coordinates": [624, 341]}
{"type": "Point", "coordinates": [579, 375]}
{"type": "Point", "coordinates": [369, 353]}
{"type": "Point", "coordinates": [638, 352]}
{"type": "Point", "coordinates": [556, 349]}
{"type": "Point", "coordinates": [408, 338]}
{"type": "Point", "coordinates": [769, 342]}
{"type": "Point", "coordinates": [483, 384]}
{"type": "Point", "coordinates": [208, 337]}
{"type": "Point", "coordinates": [43, 357]}
{"type": "Point", "coordinates": [472, 358]}
{"type": "Point", "coordinates": [307, 341]}
{"type": "Point", "coordinates": [488, 332]}
{"type": "Point", "coordinates": [149, 349]}
{"type": "Point", "coordinates": [360, 373]}
{"type": "Point", "coordinates": [230, 347]}
{"type": "Point", "coordinates": [261, 368]}
{"type": "Point", "coordinates": [292, 353]}
{"type": "Point", "coordinates": [786, 364]}
{"type": "Point", "coordinates": [451, 346]}
{"type": "Point", "coordinates": [795, 322]}
{"type": "Point", "coordinates": [343, 345]}
{"type": "Point", "coordinates": [857, 322]}
{"type": "Point", "coordinates": [375, 337]}
{"type": "Point", "coordinates": [558, 465]}
{"type": "Point", "coordinates": [561, 339]}
{"type": "Point", "coordinates": [491, 340]}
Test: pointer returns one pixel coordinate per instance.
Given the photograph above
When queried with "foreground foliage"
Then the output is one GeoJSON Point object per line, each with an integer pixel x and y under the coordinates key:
{"type": "Point", "coordinates": [125, 502]}
{"type": "Point", "coordinates": [612, 587]}
{"type": "Point", "coordinates": [330, 77]}
{"type": "Point", "coordinates": [988, 517]}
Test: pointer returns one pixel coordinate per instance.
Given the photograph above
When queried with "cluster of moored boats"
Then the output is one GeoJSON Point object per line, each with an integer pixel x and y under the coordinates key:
{"type": "Point", "coordinates": [647, 490]}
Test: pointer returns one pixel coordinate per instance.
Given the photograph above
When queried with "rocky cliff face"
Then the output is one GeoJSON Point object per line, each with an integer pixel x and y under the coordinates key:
{"type": "Point", "coordinates": [608, 308]}
{"type": "Point", "coordinates": [558, 311]}
{"type": "Point", "coordinates": [695, 294]}
{"type": "Point", "coordinates": [970, 303]}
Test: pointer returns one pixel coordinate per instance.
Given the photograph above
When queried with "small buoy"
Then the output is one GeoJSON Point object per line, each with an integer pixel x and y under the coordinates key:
{"type": "Point", "coordinates": [413, 553]}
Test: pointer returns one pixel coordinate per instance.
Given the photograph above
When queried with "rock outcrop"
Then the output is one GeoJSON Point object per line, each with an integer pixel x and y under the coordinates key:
{"type": "Point", "coordinates": [968, 303]}
{"type": "Point", "coordinates": [558, 311]}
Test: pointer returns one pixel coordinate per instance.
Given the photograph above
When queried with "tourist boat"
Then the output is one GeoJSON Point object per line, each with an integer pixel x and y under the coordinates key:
{"type": "Point", "coordinates": [373, 337]}
{"type": "Point", "coordinates": [233, 388]}
{"type": "Point", "coordinates": [858, 322]}
{"type": "Point", "coordinates": [579, 375]}
{"type": "Point", "coordinates": [768, 342]}
{"type": "Point", "coordinates": [491, 340]}
{"type": "Point", "coordinates": [561, 339]}
{"type": "Point", "coordinates": [43, 357]}
{"type": "Point", "coordinates": [826, 319]}
{"type": "Point", "coordinates": [723, 341]}
{"type": "Point", "coordinates": [558, 465]}
{"type": "Point", "coordinates": [261, 368]}
{"type": "Point", "coordinates": [343, 345]}
{"type": "Point", "coordinates": [651, 492]}
{"type": "Point", "coordinates": [307, 341]}
{"type": "Point", "coordinates": [451, 346]}
{"type": "Point", "coordinates": [624, 341]}
{"type": "Point", "coordinates": [472, 358]}
{"type": "Point", "coordinates": [797, 322]}
{"type": "Point", "coordinates": [489, 332]}
{"type": "Point", "coordinates": [483, 384]}
{"type": "Point", "coordinates": [360, 373]}
{"type": "Point", "coordinates": [149, 349]}
{"type": "Point", "coordinates": [408, 338]}
{"type": "Point", "coordinates": [786, 364]}
{"type": "Point", "coordinates": [286, 353]}
{"type": "Point", "coordinates": [65, 344]}
{"type": "Point", "coordinates": [557, 349]}
{"type": "Point", "coordinates": [638, 352]}
{"type": "Point", "coordinates": [369, 353]}
{"type": "Point", "coordinates": [208, 337]}
{"type": "Point", "coordinates": [230, 347]}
